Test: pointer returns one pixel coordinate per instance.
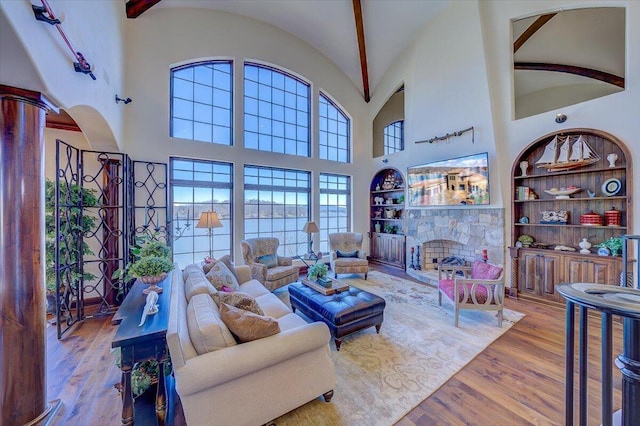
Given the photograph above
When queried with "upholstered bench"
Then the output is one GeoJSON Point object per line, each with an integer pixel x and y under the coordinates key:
{"type": "Point", "coordinates": [345, 312]}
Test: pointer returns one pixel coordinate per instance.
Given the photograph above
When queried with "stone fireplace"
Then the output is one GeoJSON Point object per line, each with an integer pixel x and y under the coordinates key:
{"type": "Point", "coordinates": [465, 233]}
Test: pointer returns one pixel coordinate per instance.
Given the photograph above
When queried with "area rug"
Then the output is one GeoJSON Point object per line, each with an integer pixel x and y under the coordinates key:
{"type": "Point", "coordinates": [381, 377]}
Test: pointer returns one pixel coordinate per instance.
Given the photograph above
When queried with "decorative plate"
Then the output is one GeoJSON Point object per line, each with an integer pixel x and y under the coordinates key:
{"type": "Point", "coordinates": [611, 187]}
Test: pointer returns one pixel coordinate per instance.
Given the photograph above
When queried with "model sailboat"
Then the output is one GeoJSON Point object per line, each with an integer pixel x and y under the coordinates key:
{"type": "Point", "coordinates": [566, 153]}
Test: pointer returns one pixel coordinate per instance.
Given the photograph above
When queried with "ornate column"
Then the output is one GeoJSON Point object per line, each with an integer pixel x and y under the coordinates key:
{"type": "Point", "coordinates": [22, 289]}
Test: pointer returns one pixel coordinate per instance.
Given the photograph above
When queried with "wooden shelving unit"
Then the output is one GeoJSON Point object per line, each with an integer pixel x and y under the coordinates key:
{"type": "Point", "coordinates": [386, 225]}
{"type": "Point", "coordinates": [537, 270]}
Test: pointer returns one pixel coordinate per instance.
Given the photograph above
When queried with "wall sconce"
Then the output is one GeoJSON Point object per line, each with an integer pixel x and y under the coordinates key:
{"type": "Point", "coordinates": [561, 118]}
{"type": "Point", "coordinates": [385, 160]}
{"type": "Point", "coordinates": [126, 101]}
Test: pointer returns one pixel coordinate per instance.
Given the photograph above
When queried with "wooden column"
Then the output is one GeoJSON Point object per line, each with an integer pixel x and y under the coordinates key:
{"type": "Point", "coordinates": [22, 288]}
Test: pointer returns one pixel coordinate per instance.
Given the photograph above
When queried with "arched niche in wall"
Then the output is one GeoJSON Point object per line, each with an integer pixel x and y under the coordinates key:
{"type": "Point", "coordinates": [566, 57]}
{"type": "Point", "coordinates": [392, 111]}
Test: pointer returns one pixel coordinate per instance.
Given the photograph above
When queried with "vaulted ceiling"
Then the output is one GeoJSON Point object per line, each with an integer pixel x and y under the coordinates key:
{"type": "Point", "coordinates": [388, 27]}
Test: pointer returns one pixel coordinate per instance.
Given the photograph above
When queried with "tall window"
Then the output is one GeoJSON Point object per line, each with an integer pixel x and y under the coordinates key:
{"type": "Point", "coordinates": [334, 132]}
{"type": "Point", "coordinates": [276, 111]}
{"type": "Point", "coordinates": [198, 186]}
{"type": "Point", "coordinates": [276, 204]}
{"type": "Point", "coordinates": [335, 206]}
{"type": "Point", "coordinates": [394, 137]}
{"type": "Point", "coordinates": [201, 102]}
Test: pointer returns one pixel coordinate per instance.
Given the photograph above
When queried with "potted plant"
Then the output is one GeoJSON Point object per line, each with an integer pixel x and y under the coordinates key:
{"type": "Point", "coordinates": [151, 270]}
{"type": "Point", "coordinates": [614, 244]}
{"type": "Point", "coordinates": [70, 251]}
{"type": "Point", "coordinates": [318, 272]}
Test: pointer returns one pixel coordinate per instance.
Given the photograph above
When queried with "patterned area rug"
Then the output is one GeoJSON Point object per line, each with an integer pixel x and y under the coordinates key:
{"type": "Point", "coordinates": [381, 377]}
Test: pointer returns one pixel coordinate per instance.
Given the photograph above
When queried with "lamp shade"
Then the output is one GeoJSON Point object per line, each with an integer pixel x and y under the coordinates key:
{"type": "Point", "coordinates": [209, 220]}
{"type": "Point", "coordinates": [310, 227]}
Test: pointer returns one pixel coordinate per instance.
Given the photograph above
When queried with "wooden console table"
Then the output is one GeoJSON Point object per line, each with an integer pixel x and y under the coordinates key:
{"type": "Point", "coordinates": [141, 344]}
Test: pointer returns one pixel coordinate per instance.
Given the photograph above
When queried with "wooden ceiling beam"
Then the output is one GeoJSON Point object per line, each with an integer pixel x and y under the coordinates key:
{"type": "Point", "coordinates": [136, 8]}
{"type": "Point", "coordinates": [357, 13]}
{"type": "Point", "coordinates": [533, 28]}
{"type": "Point", "coordinates": [572, 69]}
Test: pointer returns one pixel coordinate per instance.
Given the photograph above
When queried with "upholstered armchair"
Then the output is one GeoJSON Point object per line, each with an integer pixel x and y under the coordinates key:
{"type": "Point", "coordinates": [347, 256]}
{"type": "Point", "coordinates": [271, 270]}
{"type": "Point", "coordinates": [479, 287]}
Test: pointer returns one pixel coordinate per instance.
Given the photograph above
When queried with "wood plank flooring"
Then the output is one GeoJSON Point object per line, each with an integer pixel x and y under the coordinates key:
{"type": "Point", "coordinates": [518, 380]}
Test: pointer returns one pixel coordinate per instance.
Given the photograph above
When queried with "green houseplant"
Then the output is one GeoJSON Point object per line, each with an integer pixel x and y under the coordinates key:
{"type": "Point", "coordinates": [70, 250]}
{"type": "Point", "coordinates": [318, 270]}
{"type": "Point", "coordinates": [614, 244]}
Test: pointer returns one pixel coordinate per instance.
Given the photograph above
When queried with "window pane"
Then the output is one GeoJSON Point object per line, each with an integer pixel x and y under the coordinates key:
{"type": "Point", "coordinates": [274, 203]}
{"type": "Point", "coordinates": [334, 138]}
{"type": "Point", "coordinates": [195, 188]}
{"type": "Point", "coordinates": [394, 137]}
{"type": "Point", "coordinates": [266, 85]}
{"type": "Point", "coordinates": [335, 206]}
{"type": "Point", "coordinates": [195, 89]}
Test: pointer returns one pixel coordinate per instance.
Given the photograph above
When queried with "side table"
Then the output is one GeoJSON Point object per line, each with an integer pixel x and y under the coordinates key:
{"type": "Point", "coordinates": [141, 344]}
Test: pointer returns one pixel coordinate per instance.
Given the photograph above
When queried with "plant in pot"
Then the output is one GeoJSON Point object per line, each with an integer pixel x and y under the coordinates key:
{"type": "Point", "coordinates": [318, 273]}
{"type": "Point", "coordinates": [614, 244]}
{"type": "Point", "coordinates": [150, 270]}
{"type": "Point", "coordinates": [75, 224]}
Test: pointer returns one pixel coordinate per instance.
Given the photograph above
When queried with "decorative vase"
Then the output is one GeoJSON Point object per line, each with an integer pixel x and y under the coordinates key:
{"type": "Point", "coordinates": [524, 165]}
{"type": "Point", "coordinates": [377, 226]}
{"type": "Point", "coordinates": [612, 158]}
{"type": "Point", "coordinates": [152, 280]}
{"type": "Point", "coordinates": [585, 246]}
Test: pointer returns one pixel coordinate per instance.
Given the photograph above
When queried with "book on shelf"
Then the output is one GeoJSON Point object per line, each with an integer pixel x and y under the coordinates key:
{"type": "Point", "coordinates": [522, 193]}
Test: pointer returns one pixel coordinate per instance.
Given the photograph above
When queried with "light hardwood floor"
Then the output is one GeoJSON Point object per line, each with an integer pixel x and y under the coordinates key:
{"type": "Point", "coordinates": [518, 380]}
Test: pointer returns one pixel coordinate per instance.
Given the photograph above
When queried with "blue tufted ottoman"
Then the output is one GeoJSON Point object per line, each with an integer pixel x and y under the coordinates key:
{"type": "Point", "coordinates": [344, 312]}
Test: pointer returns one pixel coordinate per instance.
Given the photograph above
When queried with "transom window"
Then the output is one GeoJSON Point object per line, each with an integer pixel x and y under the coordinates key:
{"type": "Point", "coordinates": [335, 206]}
{"type": "Point", "coordinates": [201, 102]}
{"type": "Point", "coordinates": [334, 132]}
{"type": "Point", "coordinates": [276, 111]}
{"type": "Point", "coordinates": [394, 137]}
{"type": "Point", "coordinates": [198, 186]}
{"type": "Point", "coordinates": [277, 204]}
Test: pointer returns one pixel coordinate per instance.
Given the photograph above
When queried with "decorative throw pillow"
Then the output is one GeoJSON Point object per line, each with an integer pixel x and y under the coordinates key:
{"type": "Point", "coordinates": [206, 266]}
{"type": "Point", "coordinates": [226, 259]}
{"type": "Point", "coordinates": [220, 275]}
{"type": "Point", "coordinates": [226, 289]}
{"type": "Point", "coordinates": [246, 325]}
{"type": "Point", "coordinates": [238, 299]}
{"type": "Point", "coordinates": [270, 260]}
{"type": "Point", "coordinates": [485, 271]}
{"type": "Point", "coordinates": [344, 253]}
{"type": "Point", "coordinates": [206, 329]}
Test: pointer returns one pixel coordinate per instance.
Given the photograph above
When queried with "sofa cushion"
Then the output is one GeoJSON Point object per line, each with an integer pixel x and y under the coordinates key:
{"type": "Point", "coordinates": [246, 325]}
{"type": "Point", "coordinates": [350, 262]}
{"type": "Point", "coordinates": [269, 260]}
{"type": "Point", "coordinates": [239, 300]}
{"type": "Point", "coordinates": [272, 305]}
{"type": "Point", "coordinates": [254, 288]}
{"type": "Point", "coordinates": [196, 282]}
{"type": "Point", "coordinates": [485, 271]}
{"type": "Point", "coordinates": [345, 253]}
{"type": "Point", "coordinates": [278, 272]}
{"type": "Point", "coordinates": [207, 331]}
{"type": "Point", "coordinates": [220, 275]}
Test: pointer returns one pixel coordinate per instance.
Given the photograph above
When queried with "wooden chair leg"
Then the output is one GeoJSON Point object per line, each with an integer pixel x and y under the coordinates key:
{"type": "Point", "coordinates": [439, 298]}
{"type": "Point", "coordinates": [456, 311]}
{"type": "Point", "coordinates": [500, 318]}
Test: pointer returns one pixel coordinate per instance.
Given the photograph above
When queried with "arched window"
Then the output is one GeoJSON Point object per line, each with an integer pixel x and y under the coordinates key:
{"type": "Point", "coordinates": [276, 111]}
{"type": "Point", "coordinates": [394, 137]}
{"type": "Point", "coordinates": [334, 132]}
{"type": "Point", "coordinates": [202, 102]}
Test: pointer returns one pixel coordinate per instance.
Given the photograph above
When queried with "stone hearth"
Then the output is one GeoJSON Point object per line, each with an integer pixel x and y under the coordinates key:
{"type": "Point", "coordinates": [462, 232]}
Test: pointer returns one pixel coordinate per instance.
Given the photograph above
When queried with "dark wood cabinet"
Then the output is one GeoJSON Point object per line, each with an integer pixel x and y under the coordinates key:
{"type": "Point", "coordinates": [549, 200]}
{"type": "Point", "coordinates": [386, 224]}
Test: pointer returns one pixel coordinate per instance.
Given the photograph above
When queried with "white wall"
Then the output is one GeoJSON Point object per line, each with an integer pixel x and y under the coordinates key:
{"type": "Point", "coordinates": [163, 38]}
{"type": "Point", "coordinates": [445, 91]}
{"type": "Point", "coordinates": [94, 28]}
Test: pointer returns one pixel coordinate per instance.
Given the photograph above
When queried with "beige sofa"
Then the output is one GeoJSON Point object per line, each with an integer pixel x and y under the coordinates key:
{"type": "Point", "coordinates": [247, 383]}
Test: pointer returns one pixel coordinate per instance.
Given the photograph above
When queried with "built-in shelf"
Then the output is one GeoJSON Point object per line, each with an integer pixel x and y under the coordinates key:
{"type": "Point", "coordinates": [546, 225]}
{"type": "Point", "coordinates": [571, 172]}
{"type": "Point", "coordinates": [554, 200]}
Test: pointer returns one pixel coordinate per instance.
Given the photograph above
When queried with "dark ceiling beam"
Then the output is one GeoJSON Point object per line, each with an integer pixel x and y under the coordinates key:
{"type": "Point", "coordinates": [136, 8]}
{"type": "Point", "coordinates": [526, 35]}
{"type": "Point", "coordinates": [357, 13]}
{"type": "Point", "coordinates": [572, 69]}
